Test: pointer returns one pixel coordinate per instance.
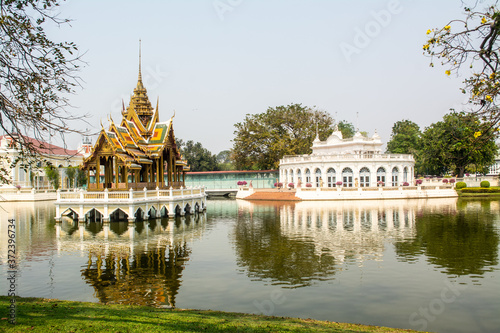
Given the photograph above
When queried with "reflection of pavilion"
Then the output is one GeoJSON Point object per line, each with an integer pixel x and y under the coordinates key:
{"type": "Point", "coordinates": [133, 263]}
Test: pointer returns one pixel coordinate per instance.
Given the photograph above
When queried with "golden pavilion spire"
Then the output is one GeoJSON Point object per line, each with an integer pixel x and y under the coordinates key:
{"type": "Point", "coordinates": [140, 110]}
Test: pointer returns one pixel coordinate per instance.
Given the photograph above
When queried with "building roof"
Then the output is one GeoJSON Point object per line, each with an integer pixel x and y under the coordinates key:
{"type": "Point", "coordinates": [140, 137]}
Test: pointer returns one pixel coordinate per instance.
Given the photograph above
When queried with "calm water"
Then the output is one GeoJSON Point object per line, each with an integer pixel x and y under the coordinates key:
{"type": "Point", "coordinates": [421, 264]}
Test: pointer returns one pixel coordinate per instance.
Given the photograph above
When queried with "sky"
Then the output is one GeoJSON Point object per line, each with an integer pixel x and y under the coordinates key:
{"type": "Point", "coordinates": [214, 61]}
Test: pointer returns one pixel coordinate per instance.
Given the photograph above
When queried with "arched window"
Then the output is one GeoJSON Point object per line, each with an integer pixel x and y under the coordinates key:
{"type": "Point", "coordinates": [291, 177]}
{"type": "Point", "coordinates": [308, 176]}
{"type": "Point", "coordinates": [347, 177]}
{"type": "Point", "coordinates": [331, 177]}
{"type": "Point", "coordinates": [381, 176]}
{"type": "Point", "coordinates": [317, 177]}
{"type": "Point", "coordinates": [364, 177]}
{"type": "Point", "coordinates": [405, 174]}
{"type": "Point", "coordinates": [395, 172]}
{"type": "Point", "coordinates": [299, 176]}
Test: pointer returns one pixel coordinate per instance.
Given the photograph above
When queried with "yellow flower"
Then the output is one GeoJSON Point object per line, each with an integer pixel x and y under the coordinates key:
{"type": "Point", "coordinates": [477, 134]}
{"type": "Point", "coordinates": [447, 27]}
{"type": "Point", "coordinates": [447, 72]}
{"type": "Point", "coordinates": [484, 20]}
{"type": "Point", "coordinates": [426, 46]}
{"type": "Point", "coordinates": [492, 75]}
{"type": "Point", "coordinates": [429, 31]}
{"type": "Point", "coordinates": [488, 98]}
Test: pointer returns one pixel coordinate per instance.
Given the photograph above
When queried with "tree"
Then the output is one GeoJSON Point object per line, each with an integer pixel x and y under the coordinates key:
{"type": "Point", "coordinates": [198, 158]}
{"type": "Point", "coordinates": [81, 177]}
{"type": "Point", "coordinates": [347, 129]}
{"type": "Point", "coordinates": [53, 176]}
{"type": "Point", "coordinates": [455, 143]}
{"type": "Point", "coordinates": [71, 174]}
{"type": "Point", "coordinates": [473, 42]}
{"type": "Point", "coordinates": [406, 139]}
{"type": "Point", "coordinates": [36, 75]}
{"type": "Point", "coordinates": [224, 160]}
{"type": "Point", "coordinates": [262, 139]}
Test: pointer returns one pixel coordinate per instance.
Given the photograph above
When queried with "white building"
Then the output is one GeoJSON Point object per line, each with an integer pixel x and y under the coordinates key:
{"type": "Point", "coordinates": [33, 176]}
{"type": "Point", "coordinates": [355, 162]}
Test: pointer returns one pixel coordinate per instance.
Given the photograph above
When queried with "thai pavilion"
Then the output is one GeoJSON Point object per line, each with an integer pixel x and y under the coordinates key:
{"type": "Point", "coordinates": [143, 171]}
{"type": "Point", "coordinates": [138, 152]}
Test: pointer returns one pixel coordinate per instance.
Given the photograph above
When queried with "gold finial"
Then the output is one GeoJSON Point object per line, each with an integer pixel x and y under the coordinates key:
{"type": "Point", "coordinates": [140, 75]}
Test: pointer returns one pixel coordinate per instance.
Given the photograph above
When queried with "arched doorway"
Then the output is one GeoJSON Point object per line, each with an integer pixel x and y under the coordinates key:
{"type": "Point", "coordinates": [364, 177]}
{"type": "Point", "coordinates": [331, 177]}
{"type": "Point", "coordinates": [381, 176]}
{"type": "Point", "coordinates": [395, 173]}
{"type": "Point", "coordinates": [347, 175]}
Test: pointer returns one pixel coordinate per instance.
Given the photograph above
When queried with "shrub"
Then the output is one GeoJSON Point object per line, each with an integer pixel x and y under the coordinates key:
{"type": "Point", "coordinates": [460, 185]}
{"type": "Point", "coordinates": [338, 183]}
{"type": "Point", "coordinates": [308, 185]}
{"type": "Point", "coordinates": [485, 184]}
{"type": "Point", "coordinates": [445, 181]}
{"type": "Point", "coordinates": [452, 181]}
{"type": "Point", "coordinates": [278, 185]}
{"type": "Point", "coordinates": [406, 184]}
{"type": "Point", "coordinates": [419, 181]}
{"type": "Point", "coordinates": [242, 183]}
{"type": "Point", "coordinates": [291, 185]}
{"type": "Point", "coordinates": [480, 190]}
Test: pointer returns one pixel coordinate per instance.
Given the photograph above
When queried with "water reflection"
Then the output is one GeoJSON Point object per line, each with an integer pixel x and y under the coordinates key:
{"type": "Point", "coordinates": [463, 241]}
{"type": "Point", "coordinates": [294, 245]}
{"type": "Point", "coordinates": [139, 263]}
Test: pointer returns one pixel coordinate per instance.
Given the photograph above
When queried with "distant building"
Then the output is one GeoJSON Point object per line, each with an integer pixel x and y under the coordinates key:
{"type": "Point", "coordinates": [214, 180]}
{"type": "Point", "coordinates": [355, 162]}
{"type": "Point", "coordinates": [33, 176]}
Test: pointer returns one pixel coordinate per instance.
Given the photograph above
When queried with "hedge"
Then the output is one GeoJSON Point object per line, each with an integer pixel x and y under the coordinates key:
{"type": "Point", "coordinates": [481, 190]}
{"type": "Point", "coordinates": [460, 185]}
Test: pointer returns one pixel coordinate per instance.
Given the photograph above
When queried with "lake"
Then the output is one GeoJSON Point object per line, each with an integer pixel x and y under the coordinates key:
{"type": "Point", "coordinates": [420, 264]}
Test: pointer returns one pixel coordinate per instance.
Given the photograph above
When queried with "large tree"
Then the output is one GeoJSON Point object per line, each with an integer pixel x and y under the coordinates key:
{"type": "Point", "coordinates": [262, 139]}
{"type": "Point", "coordinates": [470, 46]}
{"type": "Point", "coordinates": [406, 139]}
{"type": "Point", "coordinates": [457, 142]}
{"type": "Point", "coordinates": [198, 157]}
{"type": "Point", "coordinates": [36, 74]}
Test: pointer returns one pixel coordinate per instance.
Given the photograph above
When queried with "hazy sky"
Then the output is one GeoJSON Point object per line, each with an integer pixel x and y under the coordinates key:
{"type": "Point", "coordinates": [214, 61]}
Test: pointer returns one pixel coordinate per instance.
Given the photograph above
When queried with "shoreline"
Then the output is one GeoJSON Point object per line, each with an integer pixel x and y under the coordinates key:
{"type": "Point", "coordinates": [51, 315]}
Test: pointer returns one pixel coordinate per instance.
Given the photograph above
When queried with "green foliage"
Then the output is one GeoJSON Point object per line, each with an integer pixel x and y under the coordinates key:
{"type": "Point", "coordinates": [456, 142]}
{"type": "Point", "coordinates": [406, 139]}
{"type": "Point", "coordinates": [53, 176]}
{"type": "Point", "coordinates": [71, 174]}
{"type": "Point", "coordinates": [480, 190]}
{"type": "Point", "coordinates": [224, 160]}
{"type": "Point", "coordinates": [36, 74]}
{"type": "Point", "coordinates": [261, 140]}
{"type": "Point", "coordinates": [198, 158]}
{"type": "Point", "coordinates": [347, 129]}
{"type": "Point", "coordinates": [460, 185]}
{"type": "Point", "coordinates": [485, 184]}
{"type": "Point", "coordinates": [81, 178]}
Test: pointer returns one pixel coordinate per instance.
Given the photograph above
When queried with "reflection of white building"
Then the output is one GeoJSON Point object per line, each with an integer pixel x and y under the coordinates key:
{"type": "Point", "coordinates": [356, 162]}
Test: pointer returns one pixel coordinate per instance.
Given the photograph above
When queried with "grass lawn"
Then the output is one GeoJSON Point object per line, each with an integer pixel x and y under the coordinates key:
{"type": "Point", "coordinates": [44, 315]}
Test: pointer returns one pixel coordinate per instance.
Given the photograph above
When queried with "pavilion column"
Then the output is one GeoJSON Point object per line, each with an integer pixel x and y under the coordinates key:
{"type": "Point", "coordinates": [161, 172]}
{"type": "Point", "coordinates": [88, 177]}
{"type": "Point", "coordinates": [116, 172]}
{"type": "Point", "coordinates": [157, 172]}
{"type": "Point", "coordinates": [98, 172]}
